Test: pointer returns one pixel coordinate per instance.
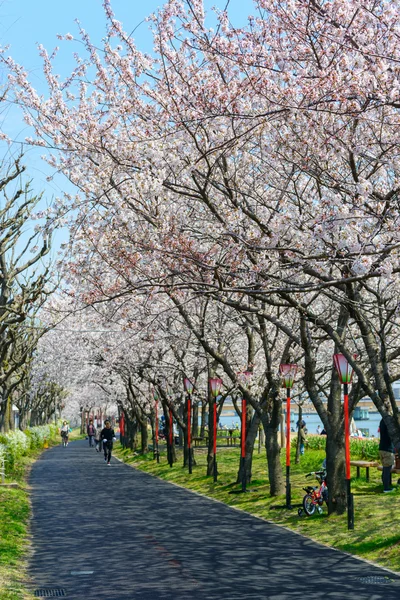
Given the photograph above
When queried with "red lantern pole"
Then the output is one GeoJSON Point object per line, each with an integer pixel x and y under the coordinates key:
{"type": "Point", "coordinates": [189, 416]}
{"type": "Point", "coordinates": [345, 372]}
{"type": "Point", "coordinates": [243, 443]}
{"type": "Point", "coordinates": [350, 497]}
{"type": "Point", "coordinates": [121, 428]}
{"type": "Point", "coordinates": [171, 437]}
{"type": "Point", "coordinates": [156, 430]}
{"type": "Point", "coordinates": [346, 429]}
{"type": "Point", "coordinates": [288, 373]}
{"type": "Point", "coordinates": [215, 440]}
{"type": "Point", "coordinates": [189, 387]}
{"type": "Point", "coordinates": [288, 484]}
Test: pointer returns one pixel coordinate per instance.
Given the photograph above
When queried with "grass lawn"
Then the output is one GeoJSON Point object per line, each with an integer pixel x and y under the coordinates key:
{"type": "Point", "coordinates": [14, 530]}
{"type": "Point", "coordinates": [14, 515]}
{"type": "Point", "coordinates": [376, 534]}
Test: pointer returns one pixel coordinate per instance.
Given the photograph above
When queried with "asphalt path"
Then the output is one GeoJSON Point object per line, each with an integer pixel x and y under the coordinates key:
{"type": "Point", "coordinates": [114, 533]}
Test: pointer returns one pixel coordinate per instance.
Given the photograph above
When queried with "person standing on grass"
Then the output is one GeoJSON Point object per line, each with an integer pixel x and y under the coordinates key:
{"type": "Point", "coordinates": [303, 438]}
{"type": "Point", "coordinates": [107, 437]}
{"type": "Point", "coordinates": [91, 432]}
{"type": "Point", "coordinates": [386, 452]}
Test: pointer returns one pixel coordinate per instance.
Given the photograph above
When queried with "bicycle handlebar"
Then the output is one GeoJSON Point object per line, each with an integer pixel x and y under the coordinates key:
{"type": "Point", "coordinates": [315, 473]}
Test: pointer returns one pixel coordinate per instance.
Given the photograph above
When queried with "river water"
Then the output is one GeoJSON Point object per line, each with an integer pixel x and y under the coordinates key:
{"type": "Point", "coordinates": [369, 427]}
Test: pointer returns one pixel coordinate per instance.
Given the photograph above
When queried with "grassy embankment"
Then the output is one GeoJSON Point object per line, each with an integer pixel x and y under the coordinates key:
{"type": "Point", "coordinates": [376, 535]}
{"type": "Point", "coordinates": [14, 526]}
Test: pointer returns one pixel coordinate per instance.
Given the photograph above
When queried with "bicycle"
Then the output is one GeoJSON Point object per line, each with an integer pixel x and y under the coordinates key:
{"type": "Point", "coordinates": [316, 495]}
{"type": "Point", "coordinates": [64, 438]}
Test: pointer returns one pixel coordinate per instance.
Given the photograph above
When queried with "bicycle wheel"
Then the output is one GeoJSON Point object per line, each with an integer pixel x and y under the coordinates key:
{"type": "Point", "coordinates": [308, 505]}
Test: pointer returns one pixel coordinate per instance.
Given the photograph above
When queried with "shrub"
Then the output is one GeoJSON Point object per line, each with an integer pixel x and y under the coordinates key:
{"type": "Point", "coordinates": [359, 448]}
{"type": "Point", "coordinates": [38, 435]}
{"type": "Point", "coordinates": [364, 449]}
{"type": "Point", "coordinates": [315, 442]}
{"type": "Point", "coordinates": [16, 444]}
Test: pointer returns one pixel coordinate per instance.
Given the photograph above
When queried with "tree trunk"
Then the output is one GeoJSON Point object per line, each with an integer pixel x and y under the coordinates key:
{"type": "Point", "coordinates": [130, 433]}
{"type": "Point", "coordinates": [171, 452]}
{"type": "Point", "coordinates": [144, 437]}
{"type": "Point", "coordinates": [335, 466]}
{"type": "Point", "coordinates": [210, 450]}
{"type": "Point", "coordinates": [273, 448]}
{"type": "Point", "coordinates": [7, 416]}
{"type": "Point", "coordinates": [251, 436]}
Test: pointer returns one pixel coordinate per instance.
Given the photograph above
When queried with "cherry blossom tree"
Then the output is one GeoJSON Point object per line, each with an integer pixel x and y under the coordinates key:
{"type": "Point", "coordinates": [256, 162]}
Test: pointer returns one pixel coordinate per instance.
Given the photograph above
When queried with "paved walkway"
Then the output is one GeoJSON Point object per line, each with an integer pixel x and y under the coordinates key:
{"type": "Point", "coordinates": [145, 539]}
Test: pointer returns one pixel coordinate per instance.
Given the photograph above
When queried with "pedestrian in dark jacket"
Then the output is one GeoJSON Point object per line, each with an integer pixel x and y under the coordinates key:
{"type": "Point", "coordinates": [107, 437]}
{"type": "Point", "coordinates": [91, 432]}
{"type": "Point", "coordinates": [386, 452]}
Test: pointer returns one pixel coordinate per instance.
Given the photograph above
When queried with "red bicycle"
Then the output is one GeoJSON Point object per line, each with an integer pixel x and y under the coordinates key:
{"type": "Point", "coordinates": [316, 495]}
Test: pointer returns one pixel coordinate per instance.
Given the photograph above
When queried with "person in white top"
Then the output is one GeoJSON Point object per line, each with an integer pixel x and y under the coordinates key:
{"type": "Point", "coordinates": [64, 432]}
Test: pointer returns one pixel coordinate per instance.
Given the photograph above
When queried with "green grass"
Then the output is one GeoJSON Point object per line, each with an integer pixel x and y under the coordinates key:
{"type": "Point", "coordinates": [14, 528]}
{"type": "Point", "coordinates": [376, 535]}
{"type": "Point", "coordinates": [14, 516]}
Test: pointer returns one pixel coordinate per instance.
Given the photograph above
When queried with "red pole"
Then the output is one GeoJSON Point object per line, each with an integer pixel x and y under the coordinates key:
{"type": "Point", "coordinates": [156, 421]}
{"type": "Point", "coordinates": [346, 431]}
{"type": "Point", "coordinates": [215, 469]}
{"type": "Point", "coordinates": [243, 444]}
{"type": "Point", "coordinates": [288, 427]}
{"type": "Point", "coordinates": [189, 417]}
{"type": "Point", "coordinates": [215, 429]}
{"type": "Point", "coordinates": [243, 428]}
{"type": "Point", "coordinates": [350, 498]}
{"type": "Point", "coordinates": [288, 484]}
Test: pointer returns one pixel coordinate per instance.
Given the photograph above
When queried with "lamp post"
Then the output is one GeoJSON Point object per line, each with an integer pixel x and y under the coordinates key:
{"type": "Point", "coordinates": [156, 451]}
{"type": "Point", "coordinates": [215, 387]}
{"type": "Point", "coordinates": [121, 428]}
{"type": "Point", "coordinates": [171, 438]}
{"type": "Point", "coordinates": [288, 373]}
{"type": "Point", "coordinates": [245, 376]}
{"type": "Point", "coordinates": [188, 385]}
{"type": "Point", "coordinates": [345, 372]}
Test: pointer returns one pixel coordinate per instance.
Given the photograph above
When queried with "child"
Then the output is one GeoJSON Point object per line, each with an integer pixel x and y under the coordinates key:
{"type": "Point", "coordinates": [97, 439]}
{"type": "Point", "coordinates": [91, 432]}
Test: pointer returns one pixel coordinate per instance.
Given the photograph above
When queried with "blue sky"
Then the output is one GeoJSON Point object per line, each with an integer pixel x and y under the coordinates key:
{"type": "Point", "coordinates": [24, 23]}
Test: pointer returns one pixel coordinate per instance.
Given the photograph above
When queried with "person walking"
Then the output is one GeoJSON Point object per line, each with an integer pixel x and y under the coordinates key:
{"type": "Point", "coordinates": [64, 432]}
{"type": "Point", "coordinates": [107, 437]}
{"type": "Point", "coordinates": [97, 439]}
{"type": "Point", "coordinates": [386, 452]}
{"type": "Point", "coordinates": [91, 432]}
